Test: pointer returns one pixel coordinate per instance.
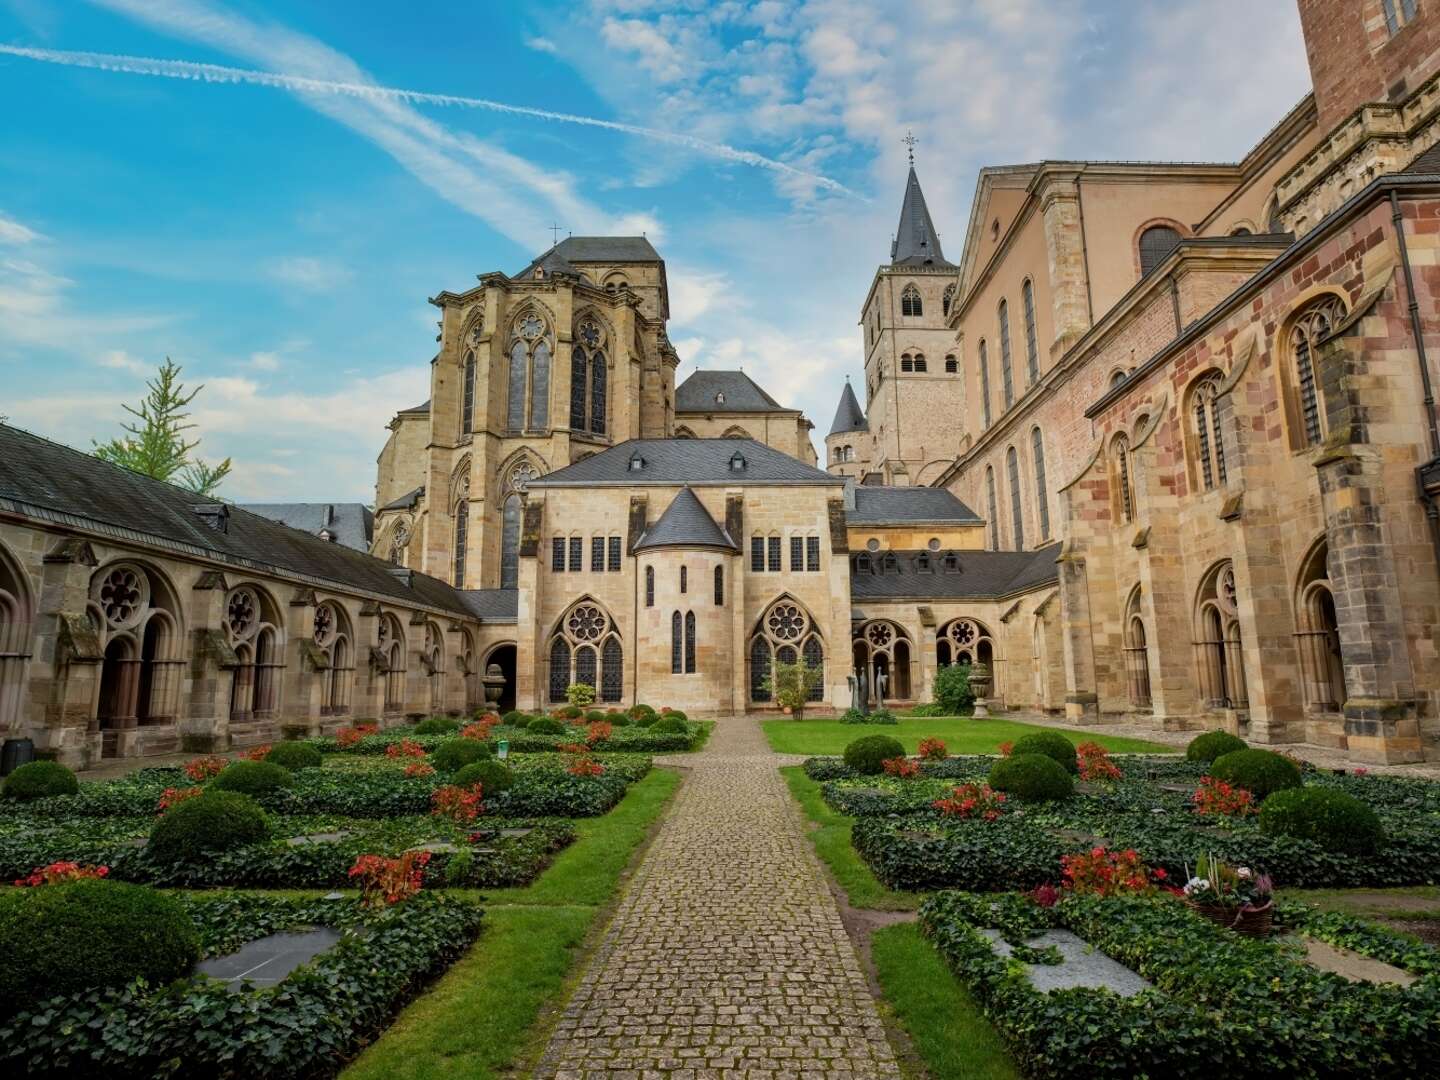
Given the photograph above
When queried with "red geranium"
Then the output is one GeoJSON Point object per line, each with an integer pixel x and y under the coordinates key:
{"type": "Point", "coordinates": [1101, 872]}
{"type": "Point", "coordinates": [172, 797]}
{"type": "Point", "coordinates": [584, 766]}
{"type": "Point", "coordinates": [57, 872]}
{"type": "Point", "coordinates": [1005, 748]}
{"type": "Point", "coordinates": [459, 804]}
{"type": "Point", "coordinates": [901, 767]}
{"type": "Point", "coordinates": [348, 736]}
{"type": "Point", "coordinates": [972, 800]}
{"type": "Point", "coordinates": [1095, 763]}
{"type": "Point", "coordinates": [933, 750]}
{"type": "Point", "coordinates": [573, 748]}
{"type": "Point", "coordinates": [258, 754]}
{"type": "Point", "coordinates": [1217, 797]}
{"type": "Point", "coordinates": [480, 729]}
{"type": "Point", "coordinates": [599, 731]}
{"type": "Point", "coordinates": [201, 769]}
{"type": "Point", "coordinates": [389, 881]}
{"type": "Point", "coordinates": [405, 748]}
{"type": "Point", "coordinates": [419, 768]}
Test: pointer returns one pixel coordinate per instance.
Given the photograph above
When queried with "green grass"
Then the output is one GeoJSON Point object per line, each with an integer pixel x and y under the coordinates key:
{"type": "Point", "coordinates": [1408, 902]}
{"type": "Point", "coordinates": [962, 735]}
{"type": "Point", "coordinates": [480, 1019]}
{"type": "Point", "coordinates": [946, 1025]}
{"type": "Point", "coordinates": [832, 844]}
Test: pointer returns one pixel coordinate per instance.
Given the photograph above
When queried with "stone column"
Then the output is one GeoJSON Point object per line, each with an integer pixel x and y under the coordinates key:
{"type": "Point", "coordinates": [1065, 249]}
{"type": "Point", "coordinates": [67, 644]}
{"type": "Point", "coordinates": [205, 716]}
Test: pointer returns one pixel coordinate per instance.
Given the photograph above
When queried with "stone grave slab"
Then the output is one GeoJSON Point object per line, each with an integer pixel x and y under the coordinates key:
{"type": "Point", "coordinates": [1349, 964]}
{"type": "Point", "coordinates": [1077, 836]}
{"type": "Point", "coordinates": [317, 838]}
{"type": "Point", "coordinates": [1081, 965]}
{"type": "Point", "coordinates": [268, 960]}
{"type": "Point", "coordinates": [438, 846]}
{"type": "Point", "coordinates": [516, 832]}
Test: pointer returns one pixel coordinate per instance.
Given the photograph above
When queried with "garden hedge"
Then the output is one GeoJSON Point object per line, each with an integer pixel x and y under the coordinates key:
{"type": "Point", "coordinates": [1054, 746]}
{"type": "Point", "coordinates": [1331, 818]}
{"type": "Point", "coordinates": [868, 755]}
{"type": "Point", "coordinates": [1032, 778]}
{"type": "Point", "coordinates": [39, 780]}
{"type": "Point", "coordinates": [546, 725]}
{"type": "Point", "coordinates": [492, 776]}
{"type": "Point", "coordinates": [1213, 744]}
{"type": "Point", "coordinates": [253, 777]}
{"type": "Point", "coordinates": [1260, 772]}
{"type": "Point", "coordinates": [295, 756]}
{"type": "Point", "coordinates": [454, 754]}
{"type": "Point", "coordinates": [437, 725]}
{"type": "Point", "coordinates": [310, 1025]}
{"type": "Point", "coordinates": [198, 828]}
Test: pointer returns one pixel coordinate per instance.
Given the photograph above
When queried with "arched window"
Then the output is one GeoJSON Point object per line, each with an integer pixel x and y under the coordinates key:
{"type": "Point", "coordinates": [467, 396]}
{"type": "Point", "coordinates": [390, 643]}
{"type": "Point", "coordinates": [864, 564]}
{"type": "Point", "coordinates": [965, 641]}
{"type": "Point", "coordinates": [584, 633]}
{"type": "Point", "coordinates": [690, 643]}
{"type": "Point", "coordinates": [1317, 635]}
{"type": "Point", "coordinates": [1219, 651]}
{"type": "Point", "coordinates": [1398, 14]}
{"type": "Point", "coordinates": [759, 669]}
{"type": "Point", "coordinates": [529, 376]}
{"type": "Point", "coordinates": [1117, 377]}
{"type": "Point", "coordinates": [559, 669]}
{"type": "Point", "coordinates": [719, 585]}
{"type": "Point", "coordinates": [677, 655]}
{"type": "Point", "coordinates": [519, 372]}
{"type": "Point", "coordinates": [330, 631]}
{"type": "Point", "coordinates": [1137, 658]}
{"type": "Point", "coordinates": [15, 631]}
{"type": "Point", "coordinates": [1156, 242]}
{"type": "Point", "coordinates": [1206, 428]}
{"type": "Point", "coordinates": [579, 388]}
{"type": "Point", "coordinates": [906, 364]}
{"type": "Point", "coordinates": [814, 657]}
{"type": "Point", "coordinates": [462, 529]}
{"type": "Point", "coordinates": [1032, 343]}
{"type": "Point", "coordinates": [784, 628]}
{"type": "Point", "coordinates": [919, 363]}
{"type": "Point", "coordinates": [253, 627]}
{"type": "Point", "coordinates": [952, 366]}
{"type": "Point", "coordinates": [1042, 495]}
{"type": "Point", "coordinates": [1017, 516]}
{"type": "Point", "coordinates": [947, 299]}
{"type": "Point", "coordinates": [540, 387]}
{"type": "Point", "coordinates": [588, 375]}
{"type": "Point", "coordinates": [910, 301]}
{"type": "Point", "coordinates": [994, 512]}
{"type": "Point", "coordinates": [649, 586]}
{"type": "Point", "coordinates": [984, 386]}
{"type": "Point", "coordinates": [1007, 381]}
{"type": "Point", "coordinates": [1125, 495]}
{"type": "Point", "coordinates": [881, 651]}
{"type": "Point", "coordinates": [432, 661]}
{"type": "Point", "coordinates": [1309, 328]}
{"type": "Point", "coordinates": [612, 670]}
{"type": "Point", "coordinates": [684, 579]}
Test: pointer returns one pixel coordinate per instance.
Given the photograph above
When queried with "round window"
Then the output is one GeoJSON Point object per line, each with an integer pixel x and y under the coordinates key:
{"type": "Point", "coordinates": [934, 544]}
{"type": "Point", "coordinates": [872, 544]}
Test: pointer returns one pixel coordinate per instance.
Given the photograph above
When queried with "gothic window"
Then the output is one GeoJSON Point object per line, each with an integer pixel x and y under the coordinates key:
{"type": "Point", "coordinates": [467, 396]}
{"type": "Point", "coordinates": [889, 563]}
{"type": "Point", "coordinates": [984, 386]}
{"type": "Point", "coordinates": [719, 586]}
{"type": "Point", "coordinates": [586, 635]}
{"type": "Point", "coordinates": [579, 382]}
{"type": "Point", "coordinates": [797, 554]}
{"type": "Point", "coordinates": [684, 579]}
{"type": "Point", "coordinates": [540, 387]}
{"type": "Point", "coordinates": [950, 562]}
{"type": "Point", "coordinates": [1206, 426]}
{"type": "Point", "coordinates": [965, 641]}
{"type": "Point", "coordinates": [1042, 497]}
{"type": "Point", "coordinates": [529, 376]}
{"type": "Point", "coordinates": [598, 374]}
{"type": "Point", "coordinates": [812, 554]}
{"type": "Point", "coordinates": [919, 364]}
{"type": "Point", "coordinates": [649, 586]}
{"type": "Point", "coordinates": [784, 632]}
{"type": "Point", "coordinates": [757, 554]}
{"type": "Point", "coordinates": [690, 643]}
{"type": "Point", "coordinates": [1017, 516]}
{"type": "Point", "coordinates": [1032, 345]}
{"type": "Point", "coordinates": [864, 564]}
{"type": "Point", "coordinates": [906, 364]}
{"type": "Point", "coordinates": [952, 366]}
{"type": "Point", "coordinates": [1219, 650]}
{"type": "Point", "coordinates": [994, 512]}
{"type": "Point", "coordinates": [433, 663]}
{"type": "Point", "coordinates": [612, 561]}
{"type": "Point", "coordinates": [585, 665]}
{"type": "Point", "coordinates": [136, 618]}
{"type": "Point", "coordinates": [910, 301]}
{"type": "Point", "coordinates": [759, 669]}
{"type": "Point", "coordinates": [14, 641]}
{"type": "Point", "coordinates": [330, 631]}
{"type": "Point", "coordinates": [557, 554]}
{"type": "Point", "coordinates": [1007, 381]}
{"type": "Point", "coordinates": [677, 659]}
{"type": "Point", "coordinates": [814, 655]}
{"type": "Point", "coordinates": [1120, 455]}
{"type": "Point", "coordinates": [772, 552]}
{"type": "Point", "coordinates": [947, 299]}
{"type": "Point", "coordinates": [1312, 326]}
{"type": "Point", "coordinates": [612, 670]}
{"type": "Point", "coordinates": [922, 562]}
{"type": "Point", "coordinates": [577, 553]}
{"type": "Point", "coordinates": [390, 641]}
{"type": "Point", "coordinates": [1398, 14]}
{"type": "Point", "coordinates": [1317, 636]}
{"type": "Point", "coordinates": [588, 375]}
{"type": "Point", "coordinates": [252, 627]}
{"type": "Point", "coordinates": [1137, 658]}
{"type": "Point", "coordinates": [399, 541]}
{"type": "Point", "coordinates": [559, 669]}
{"type": "Point", "coordinates": [597, 554]}
{"type": "Point", "coordinates": [462, 529]}
{"type": "Point", "coordinates": [519, 366]}
{"type": "Point", "coordinates": [1156, 242]}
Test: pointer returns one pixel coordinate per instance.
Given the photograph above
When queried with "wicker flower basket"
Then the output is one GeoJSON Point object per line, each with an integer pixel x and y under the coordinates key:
{"type": "Point", "coordinates": [1251, 921]}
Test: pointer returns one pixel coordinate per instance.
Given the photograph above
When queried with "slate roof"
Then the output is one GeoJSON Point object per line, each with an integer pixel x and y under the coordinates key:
{"type": "Point", "coordinates": [849, 416]}
{"type": "Point", "coordinates": [43, 479]}
{"type": "Point", "coordinates": [686, 461]}
{"type": "Point", "coordinates": [916, 241]}
{"type": "Point", "coordinates": [742, 394]}
{"type": "Point", "coordinates": [351, 524]}
{"type": "Point", "coordinates": [492, 605]}
{"type": "Point", "coordinates": [686, 523]}
{"type": "Point", "coordinates": [422, 409]}
{"type": "Point", "coordinates": [1427, 164]}
{"type": "Point", "coordinates": [593, 249]}
{"type": "Point", "coordinates": [406, 501]}
{"type": "Point", "coordinates": [982, 575]}
{"type": "Point", "coordinates": [907, 506]}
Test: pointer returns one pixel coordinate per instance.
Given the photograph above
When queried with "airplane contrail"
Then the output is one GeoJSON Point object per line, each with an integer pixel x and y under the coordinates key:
{"type": "Point", "coordinates": [217, 73]}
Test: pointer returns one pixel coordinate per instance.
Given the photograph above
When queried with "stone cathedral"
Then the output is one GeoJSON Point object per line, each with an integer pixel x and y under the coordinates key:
{"type": "Point", "coordinates": [1158, 445]}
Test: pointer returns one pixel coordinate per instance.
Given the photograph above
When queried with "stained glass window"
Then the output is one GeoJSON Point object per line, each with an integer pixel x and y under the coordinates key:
{"type": "Point", "coordinates": [676, 655]}
{"type": "Point", "coordinates": [597, 393]}
{"type": "Point", "coordinates": [585, 665]}
{"type": "Point", "coordinates": [759, 669]}
{"type": "Point", "coordinates": [515, 415]}
{"type": "Point", "coordinates": [612, 672]}
{"type": "Point", "coordinates": [815, 657]}
{"type": "Point", "coordinates": [812, 553]}
{"type": "Point", "coordinates": [579, 378]}
{"type": "Point", "coordinates": [540, 388]}
{"type": "Point", "coordinates": [690, 643]}
{"type": "Point", "coordinates": [559, 669]}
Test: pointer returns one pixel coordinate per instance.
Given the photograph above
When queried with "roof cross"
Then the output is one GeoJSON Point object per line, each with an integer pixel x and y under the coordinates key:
{"type": "Point", "coordinates": [554, 234]}
{"type": "Point", "coordinates": [909, 140]}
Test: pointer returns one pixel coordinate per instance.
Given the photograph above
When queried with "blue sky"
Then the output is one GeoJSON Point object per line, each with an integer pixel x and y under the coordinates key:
{"type": "Point", "coordinates": [280, 243]}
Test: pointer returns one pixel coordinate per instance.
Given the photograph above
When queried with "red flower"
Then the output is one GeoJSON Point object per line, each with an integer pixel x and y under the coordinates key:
{"type": "Point", "coordinates": [258, 754]}
{"type": "Point", "coordinates": [573, 748]}
{"type": "Point", "coordinates": [1095, 763]}
{"type": "Point", "coordinates": [419, 768]}
{"type": "Point", "coordinates": [933, 750]}
{"type": "Point", "coordinates": [172, 797]}
{"type": "Point", "coordinates": [480, 729]}
{"type": "Point", "coordinates": [972, 800]}
{"type": "Point", "coordinates": [598, 732]}
{"type": "Point", "coordinates": [1005, 748]}
{"type": "Point", "coordinates": [1217, 797]}
{"type": "Point", "coordinates": [349, 736]}
{"type": "Point", "coordinates": [1045, 895]}
{"type": "Point", "coordinates": [1100, 872]}
{"type": "Point", "coordinates": [384, 882]}
{"type": "Point", "coordinates": [405, 748]}
{"type": "Point", "coordinates": [57, 872]}
{"type": "Point", "coordinates": [460, 804]}
{"type": "Point", "coordinates": [901, 767]}
{"type": "Point", "coordinates": [584, 766]}
{"type": "Point", "coordinates": [203, 768]}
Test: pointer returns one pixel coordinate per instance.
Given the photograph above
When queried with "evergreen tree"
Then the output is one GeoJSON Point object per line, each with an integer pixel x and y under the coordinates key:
{"type": "Point", "coordinates": [155, 444]}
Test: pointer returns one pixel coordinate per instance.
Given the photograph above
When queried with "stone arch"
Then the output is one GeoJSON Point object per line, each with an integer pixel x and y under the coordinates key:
{"type": "Point", "coordinates": [432, 663]}
{"type": "Point", "coordinates": [393, 544]}
{"type": "Point", "coordinates": [1219, 650]}
{"type": "Point", "coordinates": [1312, 317]}
{"type": "Point", "coordinates": [503, 655]}
{"type": "Point", "coordinates": [334, 635]}
{"type": "Point", "coordinates": [735, 431]}
{"type": "Point", "coordinates": [1145, 262]}
{"type": "Point", "coordinates": [254, 627]}
{"type": "Point", "coordinates": [964, 640]}
{"type": "Point", "coordinates": [1317, 633]}
{"type": "Point", "coordinates": [1200, 416]}
{"type": "Point", "coordinates": [530, 354]}
{"type": "Point", "coordinates": [885, 652]}
{"type": "Point", "coordinates": [592, 359]}
{"type": "Point", "coordinates": [683, 432]}
{"type": "Point", "coordinates": [391, 646]}
{"type": "Point", "coordinates": [17, 618]}
{"type": "Point", "coordinates": [584, 645]}
{"type": "Point", "coordinates": [1137, 656]}
{"type": "Point", "coordinates": [786, 631]}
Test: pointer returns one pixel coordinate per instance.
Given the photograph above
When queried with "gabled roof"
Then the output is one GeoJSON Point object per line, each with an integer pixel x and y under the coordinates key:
{"type": "Point", "coordinates": [736, 391]}
{"type": "Point", "coordinates": [492, 605]}
{"type": "Point", "coordinates": [351, 524]}
{"type": "Point", "coordinates": [686, 523]}
{"type": "Point", "coordinates": [672, 462]}
{"type": "Point", "coordinates": [916, 241]}
{"type": "Point", "coordinates": [848, 415]}
{"type": "Point", "coordinates": [593, 249]}
{"type": "Point", "coordinates": [906, 506]}
{"type": "Point", "coordinates": [407, 501]}
{"type": "Point", "coordinates": [981, 575]}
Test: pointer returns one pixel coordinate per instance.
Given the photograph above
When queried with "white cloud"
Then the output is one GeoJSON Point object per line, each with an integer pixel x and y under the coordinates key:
{"type": "Point", "coordinates": [13, 232]}
{"type": "Point", "coordinates": [542, 44]}
{"type": "Point", "coordinates": [265, 361]}
{"type": "Point", "coordinates": [121, 360]}
{"type": "Point", "coordinates": [693, 293]}
{"type": "Point", "coordinates": [309, 272]}
{"type": "Point", "coordinates": [646, 45]}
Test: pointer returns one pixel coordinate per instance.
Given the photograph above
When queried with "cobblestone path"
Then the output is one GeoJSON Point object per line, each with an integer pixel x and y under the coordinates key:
{"type": "Point", "coordinates": [727, 956]}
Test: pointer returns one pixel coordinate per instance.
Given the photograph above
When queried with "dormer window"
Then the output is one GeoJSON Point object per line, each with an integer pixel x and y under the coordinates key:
{"type": "Point", "coordinates": [737, 462]}
{"type": "Point", "coordinates": [719, 397]}
{"type": "Point", "coordinates": [950, 563]}
{"type": "Point", "coordinates": [636, 463]}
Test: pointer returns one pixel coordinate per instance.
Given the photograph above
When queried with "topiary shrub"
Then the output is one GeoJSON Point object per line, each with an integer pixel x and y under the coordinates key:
{"type": "Point", "coordinates": [617, 718]}
{"type": "Point", "coordinates": [1032, 778]}
{"type": "Point", "coordinates": [295, 755]}
{"type": "Point", "coordinates": [674, 714]}
{"type": "Point", "coordinates": [952, 690]}
{"type": "Point", "coordinates": [546, 725]}
{"type": "Point", "coordinates": [1260, 772]}
{"type": "Point", "coordinates": [1213, 744]}
{"type": "Point", "coordinates": [514, 718]}
{"type": "Point", "coordinates": [596, 715]}
{"type": "Point", "coordinates": [1053, 745]}
{"type": "Point", "coordinates": [77, 936]}
{"type": "Point", "coordinates": [454, 754]}
{"type": "Point", "coordinates": [868, 755]}
{"type": "Point", "coordinates": [253, 777]}
{"type": "Point", "coordinates": [643, 715]}
{"type": "Point", "coordinates": [40, 780]}
{"type": "Point", "coordinates": [671, 724]}
{"type": "Point", "coordinates": [569, 712]}
{"type": "Point", "coordinates": [437, 725]}
{"type": "Point", "coordinates": [198, 827]}
{"type": "Point", "coordinates": [1331, 818]}
{"type": "Point", "coordinates": [492, 776]}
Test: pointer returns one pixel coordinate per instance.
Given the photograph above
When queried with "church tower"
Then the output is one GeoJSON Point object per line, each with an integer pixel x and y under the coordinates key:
{"type": "Point", "coordinates": [848, 444]}
{"type": "Point", "coordinates": [914, 385]}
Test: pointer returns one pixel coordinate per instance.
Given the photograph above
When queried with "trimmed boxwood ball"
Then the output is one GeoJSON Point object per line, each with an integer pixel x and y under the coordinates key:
{"type": "Point", "coordinates": [1053, 745]}
{"type": "Point", "coordinates": [1260, 772]}
{"type": "Point", "coordinates": [492, 776]}
{"type": "Point", "coordinates": [295, 755]}
{"type": "Point", "coordinates": [674, 714]}
{"type": "Point", "coordinates": [253, 777]}
{"type": "Point", "coordinates": [437, 725]}
{"type": "Point", "coordinates": [84, 935]}
{"type": "Point", "coordinates": [868, 755]}
{"type": "Point", "coordinates": [214, 821]}
{"type": "Point", "coordinates": [1031, 778]}
{"type": "Point", "coordinates": [643, 715]}
{"type": "Point", "coordinates": [569, 712]}
{"type": "Point", "coordinates": [595, 715]}
{"type": "Point", "coordinates": [618, 718]}
{"type": "Point", "coordinates": [670, 724]}
{"type": "Point", "coordinates": [40, 780]}
{"type": "Point", "coordinates": [1213, 744]}
{"type": "Point", "coordinates": [546, 725]}
{"type": "Point", "coordinates": [454, 754]}
{"type": "Point", "coordinates": [1330, 818]}
{"type": "Point", "coordinates": [514, 718]}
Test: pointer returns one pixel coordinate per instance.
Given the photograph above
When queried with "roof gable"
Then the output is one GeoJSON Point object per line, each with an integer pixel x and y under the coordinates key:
{"type": "Point", "coordinates": [723, 391]}
{"type": "Point", "coordinates": [686, 523]}
{"type": "Point", "coordinates": [674, 462]}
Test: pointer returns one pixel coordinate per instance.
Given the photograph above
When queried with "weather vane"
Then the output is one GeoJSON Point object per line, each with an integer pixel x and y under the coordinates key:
{"type": "Point", "coordinates": [909, 140]}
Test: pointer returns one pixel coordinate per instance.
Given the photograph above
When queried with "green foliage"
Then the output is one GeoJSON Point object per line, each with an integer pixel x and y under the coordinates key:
{"type": "Point", "coordinates": [790, 683]}
{"type": "Point", "coordinates": [515, 719]}
{"type": "Point", "coordinates": [253, 777]}
{"type": "Point", "coordinates": [1260, 772]}
{"type": "Point", "coordinates": [952, 689]}
{"type": "Point", "coordinates": [1032, 778]}
{"type": "Point", "coordinates": [643, 715]}
{"type": "Point", "coordinates": [617, 718]}
{"type": "Point", "coordinates": [437, 725]}
{"type": "Point", "coordinates": [492, 776]}
{"type": "Point", "coordinates": [594, 716]}
{"type": "Point", "coordinates": [1053, 745]}
{"type": "Point", "coordinates": [675, 714]}
{"type": "Point", "coordinates": [868, 755]}
{"type": "Point", "coordinates": [1213, 744]}
{"type": "Point", "coordinates": [454, 754]}
{"type": "Point", "coordinates": [669, 725]}
{"type": "Point", "coordinates": [931, 708]}
{"type": "Point", "coordinates": [155, 442]}
{"type": "Point", "coordinates": [580, 695]}
{"type": "Point", "coordinates": [569, 712]}
{"type": "Point", "coordinates": [78, 936]}
{"type": "Point", "coordinates": [40, 780]}
{"type": "Point", "coordinates": [198, 828]}
{"type": "Point", "coordinates": [545, 725]}
{"type": "Point", "coordinates": [1331, 818]}
{"type": "Point", "coordinates": [295, 756]}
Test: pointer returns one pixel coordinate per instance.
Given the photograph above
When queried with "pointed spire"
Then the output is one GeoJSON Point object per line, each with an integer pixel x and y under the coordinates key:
{"type": "Point", "coordinates": [849, 416]}
{"type": "Point", "coordinates": [916, 241]}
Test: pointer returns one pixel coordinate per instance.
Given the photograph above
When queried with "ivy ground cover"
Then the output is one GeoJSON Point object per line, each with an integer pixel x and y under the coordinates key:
{"type": "Point", "coordinates": [627, 739]}
{"type": "Point", "coordinates": [962, 734]}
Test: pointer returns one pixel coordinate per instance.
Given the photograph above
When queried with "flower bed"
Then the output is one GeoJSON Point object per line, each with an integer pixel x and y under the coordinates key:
{"type": "Point", "coordinates": [1221, 1004]}
{"type": "Point", "coordinates": [309, 1025]}
{"type": "Point", "coordinates": [629, 739]}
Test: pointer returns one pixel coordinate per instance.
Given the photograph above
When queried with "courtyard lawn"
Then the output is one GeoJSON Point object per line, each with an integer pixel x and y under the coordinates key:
{"type": "Point", "coordinates": [480, 1019]}
{"type": "Point", "coordinates": [962, 735]}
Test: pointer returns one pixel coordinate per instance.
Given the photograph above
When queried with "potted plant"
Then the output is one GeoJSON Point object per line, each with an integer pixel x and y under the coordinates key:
{"type": "Point", "coordinates": [1234, 897]}
{"type": "Point", "coordinates": [791, 684]}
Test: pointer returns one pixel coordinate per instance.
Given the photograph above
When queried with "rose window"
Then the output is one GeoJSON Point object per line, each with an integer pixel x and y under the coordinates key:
{"type": "Point", "coordinates": [324, 625]}
{"type": "Point", "coordinates": [530, 327]}
{"type": "Point", "coordinates": [879, 635]}
{"type": "Point", "coordinates": [477, 331]}
{"type": "Point", "coordinates": [521, 475]}
{"type": "Point", "coordinates": [123, 595]}
{"type": "Point", "coordinates": [586, 623]}
{"type": "Point", "coordinates": [590, 334]}
{"type": "Point", "coordinates": [963, 633]}
{"type": "Point", "coordinates": [242, 614]}
{"type": "Point", "coordinates": [786, 622]}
